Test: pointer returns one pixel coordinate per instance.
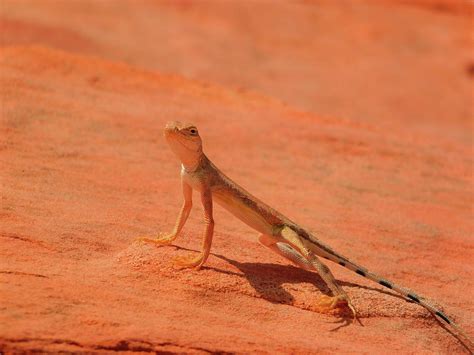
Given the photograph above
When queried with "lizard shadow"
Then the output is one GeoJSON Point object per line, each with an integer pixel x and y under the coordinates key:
{"type": "Point", "coordinates": [262, 275]}
{"type": "Point", "coordinates": [267, 279]}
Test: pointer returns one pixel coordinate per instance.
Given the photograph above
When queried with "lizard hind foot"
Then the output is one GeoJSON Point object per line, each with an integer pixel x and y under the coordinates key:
{"type": "Point", "coordinates": [335, 304]}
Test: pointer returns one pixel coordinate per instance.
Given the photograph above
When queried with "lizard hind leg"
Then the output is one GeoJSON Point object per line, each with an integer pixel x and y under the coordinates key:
{"type": "Point", "coordinates": [326, 304]}
{"type": "Point", "coordinates": [305, 246]}
{"type": "Point", "coordinates": [285, 250]}
{"type": "Point", "coordinates": [329, 304]}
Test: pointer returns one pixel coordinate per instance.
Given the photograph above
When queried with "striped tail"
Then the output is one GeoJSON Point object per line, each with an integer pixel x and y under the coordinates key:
{"type": "Point", "coordinates": [330, 254]}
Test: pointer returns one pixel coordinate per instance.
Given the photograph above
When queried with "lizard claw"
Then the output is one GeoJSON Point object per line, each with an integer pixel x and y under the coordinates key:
{"type": "Point", "coordinates": [353, 310]}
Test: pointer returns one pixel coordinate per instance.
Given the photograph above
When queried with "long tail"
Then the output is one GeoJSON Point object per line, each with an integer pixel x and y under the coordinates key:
{"type": "Point", "coordinates": [327, 253]}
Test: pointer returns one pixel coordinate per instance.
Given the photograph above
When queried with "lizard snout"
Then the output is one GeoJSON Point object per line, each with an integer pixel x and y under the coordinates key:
{"type": "Point", "coordinates": [172, 126]}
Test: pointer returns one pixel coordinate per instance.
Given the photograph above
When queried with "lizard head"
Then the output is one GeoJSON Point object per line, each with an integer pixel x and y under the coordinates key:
{"type": "Point", "coordinates": [184, 141]}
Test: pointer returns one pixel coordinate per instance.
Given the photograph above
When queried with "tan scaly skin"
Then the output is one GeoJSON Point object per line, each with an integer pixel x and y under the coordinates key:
{"type": "Point", "coordinates": [277, 232]}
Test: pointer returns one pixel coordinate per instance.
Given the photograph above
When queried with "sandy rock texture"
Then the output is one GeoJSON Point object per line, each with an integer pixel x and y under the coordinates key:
{"type": "Point", "coordinates": [354, 118]}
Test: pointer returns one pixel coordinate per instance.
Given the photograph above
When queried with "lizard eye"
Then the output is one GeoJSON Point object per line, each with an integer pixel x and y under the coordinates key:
{"type": "Point", "coordinates": [193, 131]}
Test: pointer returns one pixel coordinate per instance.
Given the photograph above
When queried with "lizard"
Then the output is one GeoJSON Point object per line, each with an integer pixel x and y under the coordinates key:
{"type": "Point", "coordinates": [277, 232]}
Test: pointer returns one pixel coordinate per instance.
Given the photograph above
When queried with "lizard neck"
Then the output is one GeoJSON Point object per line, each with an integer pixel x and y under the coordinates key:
{"type": "Point", "coordinates": [191, 165]}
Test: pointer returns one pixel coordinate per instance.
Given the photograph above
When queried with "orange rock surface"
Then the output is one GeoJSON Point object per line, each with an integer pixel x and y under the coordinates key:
{"type": "Point", "coordinates": [352, 118]}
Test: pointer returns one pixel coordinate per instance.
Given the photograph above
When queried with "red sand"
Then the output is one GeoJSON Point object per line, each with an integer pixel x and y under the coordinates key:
{"type": "Point", "coordinates": [354, 121]}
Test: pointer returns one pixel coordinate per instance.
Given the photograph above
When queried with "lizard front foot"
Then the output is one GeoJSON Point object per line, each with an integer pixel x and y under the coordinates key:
{"type": "Point", "coordinates": [327, 304]}
{"type": "Point", "coordinates": [189, 262]}
{"type": "Point", "coordinates": [165, 239]}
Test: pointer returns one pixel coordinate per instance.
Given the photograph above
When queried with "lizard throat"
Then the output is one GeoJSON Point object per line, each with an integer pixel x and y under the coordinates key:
{"type": "Point", "coordinates": [191, 165]}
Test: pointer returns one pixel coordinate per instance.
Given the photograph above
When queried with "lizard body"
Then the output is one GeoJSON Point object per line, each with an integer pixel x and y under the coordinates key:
{"type": "Point", "coordinates": [277, 232]}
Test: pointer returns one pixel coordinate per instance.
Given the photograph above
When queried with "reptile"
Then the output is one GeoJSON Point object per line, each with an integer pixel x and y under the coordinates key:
{"type": "Point", "coordinates": [277, 232]}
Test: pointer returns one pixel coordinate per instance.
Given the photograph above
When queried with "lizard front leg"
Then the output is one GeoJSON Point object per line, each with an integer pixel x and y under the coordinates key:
{"type": "Point", "coordinates": [197, 262]}
{"type": "Point", "coordinates": [165, 239]}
